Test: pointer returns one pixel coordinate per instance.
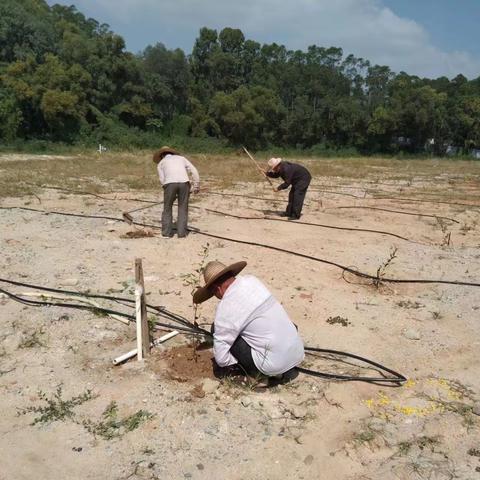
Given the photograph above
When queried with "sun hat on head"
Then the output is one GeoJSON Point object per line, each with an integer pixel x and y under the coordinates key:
{"type": "Point", "coordinates": [157, 156]}
{"type": "Point", "coordinates": [213, 271]}
{"type": "Point", "coordinates": [274, 162]}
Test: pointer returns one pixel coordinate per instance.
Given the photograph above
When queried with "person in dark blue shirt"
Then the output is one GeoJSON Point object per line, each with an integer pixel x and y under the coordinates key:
{"type": "Point", "coordinates": [295, 175]}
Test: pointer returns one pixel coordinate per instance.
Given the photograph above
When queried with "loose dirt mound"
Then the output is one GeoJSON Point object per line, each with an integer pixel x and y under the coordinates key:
{"type": "Point", "coordinates": [138, 234]}
{"type": "Point", "coordinates": [184, 364]}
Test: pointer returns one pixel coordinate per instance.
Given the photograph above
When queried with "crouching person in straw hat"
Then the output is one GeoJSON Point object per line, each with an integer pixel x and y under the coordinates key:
{"type": "Point", "coordinates": [173, 170]}
{"type": "Point", "coordinates": [295, 175]}
{"type": "Point", "coordinates": [252, 333]}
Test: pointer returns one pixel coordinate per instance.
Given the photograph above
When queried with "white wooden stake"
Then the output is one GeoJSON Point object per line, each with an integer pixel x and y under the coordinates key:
{"type": "Point", "coordinates": [138, 315]}
{"type": "Point", "coordinates": [143, 334]}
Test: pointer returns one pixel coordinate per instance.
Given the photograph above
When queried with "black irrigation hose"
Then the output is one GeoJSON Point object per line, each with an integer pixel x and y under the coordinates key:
{"type": "Point", "coordinates": [333, 227]}
{"type": "Point", "coordinates": [424, 201]}
{"type": "Point", "coordinates": [336, 193]}
{"type": "Point", "coordinates": [158, 310]}
{"type": "Point", "coordinates": [53, 212]}
{"type": "Point", "coordinates": [396, 211]}
{"type": "Point", "coordinates": [329, 262]}
{"type": "Point", "coordinates": [386, 197]}
{"type": "Point", "coordinates": [350, 229]}
{"type": "Point", "coordinates": [266, 199]}
{"type": "Point", "coordinates": [271, 247]}
{"type": "Point", "coordinates": [81, 192]}
{"type": "Point", "coordinates": [77, 192]}
{"type": "Point", "coordinates": [398, 378]}
{"type": "Point", "coordinates": [106, 311]}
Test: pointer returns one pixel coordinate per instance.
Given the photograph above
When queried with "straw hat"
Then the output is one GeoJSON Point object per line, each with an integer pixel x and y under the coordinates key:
{"type": "Point", "coordinates": [274, 162]}
{"type": "Point", "coordinates": [211, 272]}
{"type": "Point", "coordinates": [157, 156]}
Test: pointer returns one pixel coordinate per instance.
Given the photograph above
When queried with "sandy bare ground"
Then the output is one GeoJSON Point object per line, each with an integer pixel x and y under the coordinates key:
{"type": "Point", "coordinates": [196, 428]}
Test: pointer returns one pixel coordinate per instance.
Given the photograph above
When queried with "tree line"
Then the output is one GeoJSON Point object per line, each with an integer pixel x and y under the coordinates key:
{"type": "Point", "coordinates": [68, 78]}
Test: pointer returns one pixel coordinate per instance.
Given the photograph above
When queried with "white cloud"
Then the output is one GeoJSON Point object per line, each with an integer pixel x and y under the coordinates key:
{"type": "Point", "coordinates": [363, 27]}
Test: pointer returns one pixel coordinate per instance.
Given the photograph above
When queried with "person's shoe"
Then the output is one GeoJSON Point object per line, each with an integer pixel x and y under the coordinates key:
{"type": "Point", "coordinates": [167, 236]}
{"type": "Point", "coordinates": [283, 214]}
{"type": "Point", "coordinates": [289, 375]}
{"type": "Point", "coordinates": [293, 218]}
{"type": "Point", "coordinates": [230, 371]}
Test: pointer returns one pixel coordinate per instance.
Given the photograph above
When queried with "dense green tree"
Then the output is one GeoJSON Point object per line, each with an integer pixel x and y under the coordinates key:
{"type": "Point", "coordinates": [67, 77]}
{"type": "Point", "coordinates": [247, 115]}
{"type": "Point", "coordinates": [25, 30]}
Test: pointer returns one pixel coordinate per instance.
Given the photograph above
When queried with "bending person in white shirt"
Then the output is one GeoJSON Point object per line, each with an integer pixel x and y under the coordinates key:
{"type": "Point", "coordinates": [251, 329]}
{"type": "Point", "coordinates": [173, 170]}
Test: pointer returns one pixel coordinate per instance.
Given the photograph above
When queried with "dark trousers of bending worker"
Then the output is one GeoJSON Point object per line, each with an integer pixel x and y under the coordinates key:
{"type": "Point", "coordinates": [171, 192]}
{"type": "Point", "coordinates": [296, 198]}
{"type": "Point", "coordinates": [242, 351]}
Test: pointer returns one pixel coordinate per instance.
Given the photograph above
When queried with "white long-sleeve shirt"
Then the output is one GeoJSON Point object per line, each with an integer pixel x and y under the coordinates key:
{"type": "Point", "coordinates": [175, 169]}
{"type": "Point", "coordinates": [250, 310]}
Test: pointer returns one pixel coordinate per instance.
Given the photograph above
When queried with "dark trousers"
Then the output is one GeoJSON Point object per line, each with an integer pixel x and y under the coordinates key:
{"type": "Point", "coordinates": [296, 198]}
{"type": "Point", "coordinates": [242, 351]}
{"type": "Point", "coordinates": [172, 191]}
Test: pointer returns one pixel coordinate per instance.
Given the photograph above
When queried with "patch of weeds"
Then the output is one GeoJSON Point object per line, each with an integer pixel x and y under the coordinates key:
{"type": "Point", "coordinates": [381, 270]}
{"type": "Point", "coordinates": [436, 315]}
{"type": "Point", "coordinates": [366, 436]}
{"type": "Point", "coordinates": [428, 468]}
{"type": "Point", "coordinates": [344, 322]}
{"type": "Point", "coordinates": [446, 234]}
{"type": "Point", "coordinates": [461, 390]}
{"type": "Point", "coordinates": [409, 304]}
{"type": "Point", "coordinates": [236, 384]}
{"type": "Point", "coordinates": [33, 340]}
{"type": "Point", "coordinates": [152, 322]}
{"type": "Point", "coordinates": [474, 452]}
{"type": "Point", "coordinates": [404, 448]}
{"type": "Point", "coordinates": [172, 292]}
{"type": "Point", "coordinates": [460, 408]}
{"type": "Point", "coordinates": [113, 427]}
{"type": "Point", "coordinates": [56, 407]}
{"type": "Point", "coordinates": [128, 287]}
{"type": "Point", "coordinates": [299, 288]}
{"type": "Point", "coordinates": [98, 312]}
{"type": "Point", "coordinates": [427, 442]}
{"type": "Point", "coordinates": [464, 229]}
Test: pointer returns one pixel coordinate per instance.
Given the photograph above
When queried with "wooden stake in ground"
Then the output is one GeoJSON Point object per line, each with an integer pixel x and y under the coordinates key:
{"type": "Point", "coordinates": [260, 169]}
{"type": "Point", "coordinates": [143, 334]}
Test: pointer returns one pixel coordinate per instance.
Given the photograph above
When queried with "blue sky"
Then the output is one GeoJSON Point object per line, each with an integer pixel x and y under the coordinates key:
{"type": "Point", "coordinates": [423, 37]}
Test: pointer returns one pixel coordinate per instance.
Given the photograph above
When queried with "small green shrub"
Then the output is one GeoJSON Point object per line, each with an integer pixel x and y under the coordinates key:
{"type": "Point", "coordinates": [56, 407]}
{"type": "Point", "coordinates": [113, 427]}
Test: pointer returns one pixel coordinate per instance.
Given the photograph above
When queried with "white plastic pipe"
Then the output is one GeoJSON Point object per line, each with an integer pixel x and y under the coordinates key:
{"type": "Point", "coordinates": [138, 315]}
{"type": "Point", "coordinates": [155, 343]}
